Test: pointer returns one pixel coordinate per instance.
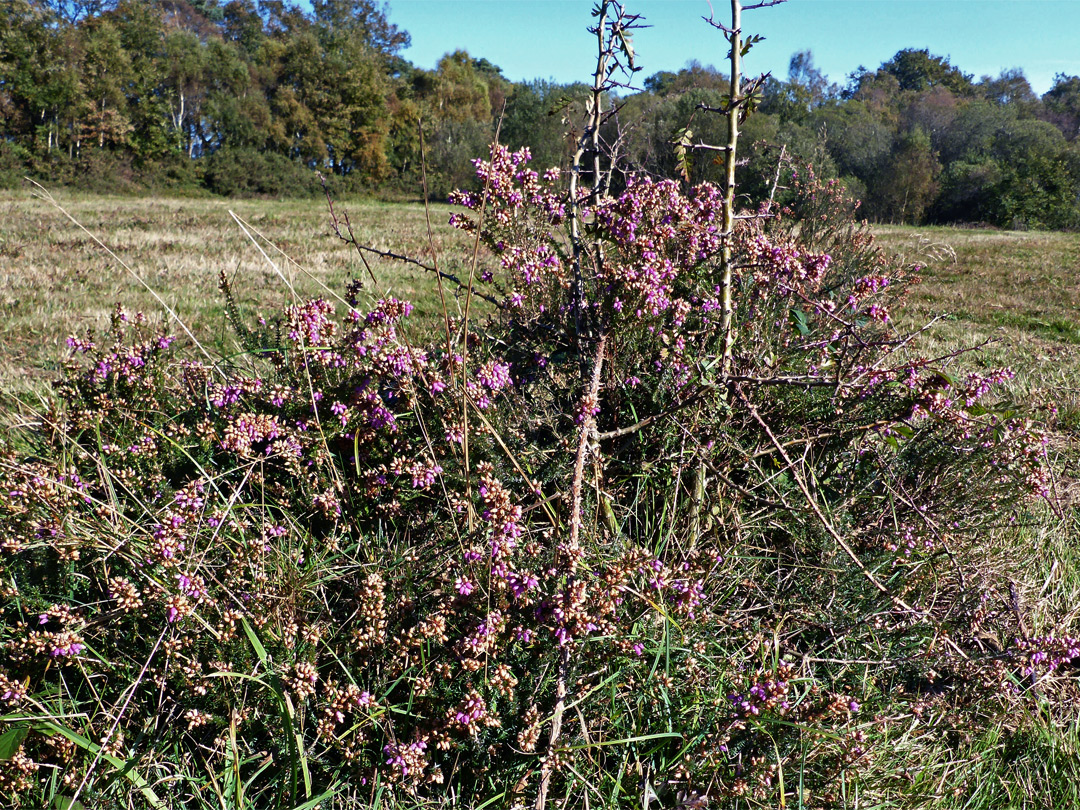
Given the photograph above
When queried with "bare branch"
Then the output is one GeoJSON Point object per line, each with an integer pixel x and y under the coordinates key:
{"type": "Point", "coordinates": [387, 254]}
{"type": "Point", "coordinates": [586, 437]}
{"type": "Point", "coordinates": [707, 146]}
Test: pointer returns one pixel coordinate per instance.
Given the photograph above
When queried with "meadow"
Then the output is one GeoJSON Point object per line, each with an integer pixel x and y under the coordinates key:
{"type": "Point", "coordinates": [1011, 296]}
{"type": "Point", "coordinates": [56, 280]}
{"type": "Point", "coordinates": [1017, 292]}
{"type": "Point", "coordinates": [841, 617]}
{"type": "Point", "coordinates": [688, 502]}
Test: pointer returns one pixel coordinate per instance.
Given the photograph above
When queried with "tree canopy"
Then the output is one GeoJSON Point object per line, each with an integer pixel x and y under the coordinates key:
{"type": "Point", "coordinates": [250, 97]}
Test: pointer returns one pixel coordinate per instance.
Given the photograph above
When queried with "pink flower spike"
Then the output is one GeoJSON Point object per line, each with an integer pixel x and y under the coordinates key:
{"type": "Point", "coordinates": [464, 586]}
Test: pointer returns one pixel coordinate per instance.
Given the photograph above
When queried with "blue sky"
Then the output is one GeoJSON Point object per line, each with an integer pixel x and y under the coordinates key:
{"type": "Point", "coordinates": [547, 39]}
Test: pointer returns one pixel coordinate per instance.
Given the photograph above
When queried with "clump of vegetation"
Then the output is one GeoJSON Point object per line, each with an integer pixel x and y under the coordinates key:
{"type": "Point", "coordinates": [686, 520]}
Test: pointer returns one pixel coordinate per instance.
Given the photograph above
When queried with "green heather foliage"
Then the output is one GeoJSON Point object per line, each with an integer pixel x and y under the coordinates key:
{"type": "Point", "coordinates": [579, 552]}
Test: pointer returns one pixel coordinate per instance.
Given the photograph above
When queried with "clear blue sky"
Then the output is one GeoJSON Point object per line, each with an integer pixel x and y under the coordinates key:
{"type": "Point", "coordinates": [547, 39]}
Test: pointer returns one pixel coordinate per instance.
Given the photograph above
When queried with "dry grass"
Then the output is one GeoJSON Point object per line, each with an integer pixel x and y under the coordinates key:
{"type": "Point", "coordinates": [55, 281]}
{"type": "Point", "coordinates": [1021, 291]}
{"type": "Point", "coordinates": [1024, 283]}
{"type": "Point", "coordinates": [1019, 294]}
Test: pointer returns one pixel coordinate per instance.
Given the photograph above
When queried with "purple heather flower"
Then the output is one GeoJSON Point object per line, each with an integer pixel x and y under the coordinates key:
{"type": "Point", "coordinates": [464, 586]}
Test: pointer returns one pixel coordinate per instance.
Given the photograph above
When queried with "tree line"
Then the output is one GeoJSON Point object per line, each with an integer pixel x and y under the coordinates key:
{"type": "Point", "coordinates": [245, 97]}
{"type": "Point", "coordinates": [917, 140]}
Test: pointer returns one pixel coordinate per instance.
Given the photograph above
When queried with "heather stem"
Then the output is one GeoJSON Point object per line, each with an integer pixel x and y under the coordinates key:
{"type": "Point", "coordinates": [585, 440]}
{"type": "Point", "coordinates": [735, 37]}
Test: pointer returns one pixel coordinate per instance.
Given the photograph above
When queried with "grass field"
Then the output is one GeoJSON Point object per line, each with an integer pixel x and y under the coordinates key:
{"type": "Point", "coordinates": [1019, 293]}
{"type": "Point", "coordinates": [1015, 294]}
{"type": "Point", "coordinates": [1025, 282]}
{"type": "Point", "coordinates": [55, 280]}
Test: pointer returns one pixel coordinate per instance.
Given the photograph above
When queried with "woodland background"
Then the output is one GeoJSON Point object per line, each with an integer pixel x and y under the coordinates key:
{"type": "Point", "coordinates": [246, 98]}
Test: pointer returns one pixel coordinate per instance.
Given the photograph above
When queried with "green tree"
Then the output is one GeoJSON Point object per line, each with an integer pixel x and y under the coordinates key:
{"type": "Point", "coordinates": [73, 11]}
{"type": "Point", "coordinates": [458, 103]}
{"type": "Point", "coordinates": [908, 182]}
{"type": "Point", "coordinates": [39, 77]}
{"type": "Point", "coordinates": [933, 111]}
{"type": "Point", "coordinates": [142, 36]}
{"type": "Point", "coordinates": [858, 137]}
{"type": "Point", "coordinates": [332, 94]}
{"type": "Point", "coordinates": [1062, 102]}
{"type": "Point", "coordinates": [535, 118]}
{"type": "Point", "coordinates": [968, 190]}
{"type": "Point", "coordinates": [694, 74]}
{"type": "Point", "coordinates": [106, 73]}
{"type": "Point", "coordinates": [971, 133]}
{"type": "Point", "coordinates": [241, 23]}
{"type": "Point", "coordinates": [461, 91]}
{"type": "Point", "coordinates": [919, 70]}
{"type": "Point", "coordinates": [1039, 187]}
{"type": "Point", "coordinates": [806, 89]}
{"type": "Point", "coordinates": [236, 113]}
{"type": "Point", "coordinates": [363, 19]}
{"type": "Point", "coordinates": [1011, 89]}
{"type": "Point", "coordinates": [660, 83]}
{"type": "Point", "coordinates": [880, 91]}
{"type": "Point", "coordinates": [186, 78]}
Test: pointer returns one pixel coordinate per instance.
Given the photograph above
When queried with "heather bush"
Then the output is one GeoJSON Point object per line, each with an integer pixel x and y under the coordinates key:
{"type": "Point", "coordinates": [615, 544]}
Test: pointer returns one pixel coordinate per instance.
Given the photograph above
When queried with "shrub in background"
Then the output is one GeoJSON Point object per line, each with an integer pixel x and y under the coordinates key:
{"type": "Point", "coordinates": [234, 172]}
{"type": "Point", "coordinates": [173, 174]}
{"type": "Point", "coordinates": [13, 159]}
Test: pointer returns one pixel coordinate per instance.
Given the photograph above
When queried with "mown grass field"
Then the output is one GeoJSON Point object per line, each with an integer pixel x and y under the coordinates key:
{"type": "Point", "coordinates": [1019, 293]}
{"type": "Point", "coordinates": [55, 280]}
{"type": "Point", "coordinates": [1016, 296]}
{"type": "Point", "coordinates": [1018, 290]}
